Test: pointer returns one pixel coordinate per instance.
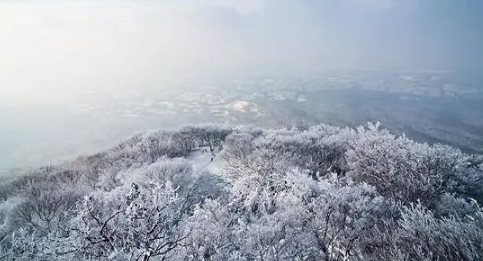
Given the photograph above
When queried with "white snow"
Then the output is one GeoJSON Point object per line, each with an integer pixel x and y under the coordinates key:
{"type": "Point", "coordinates": [201, 161]}
{"type": "Point", "coordinates": [238, 105]}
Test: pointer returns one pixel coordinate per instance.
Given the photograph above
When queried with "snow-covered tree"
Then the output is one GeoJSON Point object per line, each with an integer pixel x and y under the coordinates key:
{"type": "Point", "coordinates": [317, 193]}
{"type": "Point", "coordinates": [422, 236]}
{"type": "Point", "coordinates": [408, 171]}
{"type": "Point", "coordinates": [141, 225]}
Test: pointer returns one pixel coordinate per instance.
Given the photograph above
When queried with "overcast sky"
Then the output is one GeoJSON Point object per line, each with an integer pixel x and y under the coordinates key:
{"type": "Point", "coordinates": [49, 47]}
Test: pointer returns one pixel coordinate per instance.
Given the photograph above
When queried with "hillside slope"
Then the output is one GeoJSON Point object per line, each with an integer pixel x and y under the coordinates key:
{"type": "Point", "coordinates": [217, 192]}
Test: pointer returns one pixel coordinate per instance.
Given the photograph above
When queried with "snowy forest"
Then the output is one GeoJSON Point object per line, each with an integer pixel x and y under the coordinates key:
{"type": "Point", "coordinates": [219, 192]}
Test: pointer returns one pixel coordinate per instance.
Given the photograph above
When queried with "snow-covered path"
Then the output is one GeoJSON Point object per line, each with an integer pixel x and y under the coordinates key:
{"type": "Point", "coordinates": [201, 162]}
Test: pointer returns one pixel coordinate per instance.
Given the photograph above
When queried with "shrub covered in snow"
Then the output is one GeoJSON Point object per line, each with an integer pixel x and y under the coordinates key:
{"type": "Point", "coordinates": [317, 193]}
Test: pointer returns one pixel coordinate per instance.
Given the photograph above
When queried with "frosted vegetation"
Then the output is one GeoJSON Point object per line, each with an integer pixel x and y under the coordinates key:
{"type": "Point", "coordinates": [216, 192]}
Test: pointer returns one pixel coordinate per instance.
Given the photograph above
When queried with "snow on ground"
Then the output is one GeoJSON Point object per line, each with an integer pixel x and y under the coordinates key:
{"type": "Point", "coordinates": [201, 161]}
{"type": "Point", "coordinates": [240, 106]}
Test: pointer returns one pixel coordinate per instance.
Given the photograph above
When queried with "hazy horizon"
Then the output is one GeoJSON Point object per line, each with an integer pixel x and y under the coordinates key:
{"type": "Point", "coordinates": [57, 54]}
{"type": "Point", "coordinates": [53, 48]}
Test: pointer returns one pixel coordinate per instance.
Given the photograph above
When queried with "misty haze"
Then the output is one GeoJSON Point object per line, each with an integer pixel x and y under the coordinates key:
{"type": "Point", "coordinates": [241, 130]}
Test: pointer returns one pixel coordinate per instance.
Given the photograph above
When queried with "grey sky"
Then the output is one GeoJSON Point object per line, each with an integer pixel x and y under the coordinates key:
{"type": "Point", "coordinates": [48, 47]}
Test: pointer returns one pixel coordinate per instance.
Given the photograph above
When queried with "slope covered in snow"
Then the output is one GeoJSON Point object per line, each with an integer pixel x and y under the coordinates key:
{"type": "Point", "coordinates": [217, 192]}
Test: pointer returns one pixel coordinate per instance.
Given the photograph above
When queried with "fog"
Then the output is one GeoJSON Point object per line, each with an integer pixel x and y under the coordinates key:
{"type": "Point", "coordinates": [52, 51]}
{"type": "Point", "coordinates": [49, 48]}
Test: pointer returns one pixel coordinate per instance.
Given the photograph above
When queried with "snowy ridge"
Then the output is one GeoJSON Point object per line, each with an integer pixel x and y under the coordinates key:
{"type": "Point", "coordinates": [217, 192]}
